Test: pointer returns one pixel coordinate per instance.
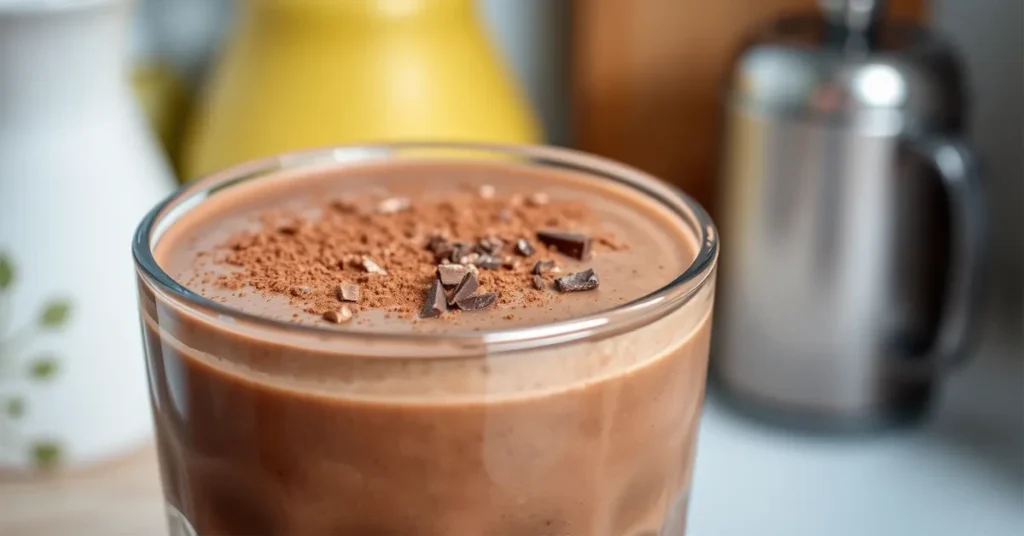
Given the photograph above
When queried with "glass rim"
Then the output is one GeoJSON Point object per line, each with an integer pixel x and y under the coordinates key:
{"type": "Point", "coordinates": [620, 318]}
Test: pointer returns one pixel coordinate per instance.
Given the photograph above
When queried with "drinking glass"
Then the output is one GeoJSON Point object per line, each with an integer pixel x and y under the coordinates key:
{"type": "Point", "coordinates": [585, 426]}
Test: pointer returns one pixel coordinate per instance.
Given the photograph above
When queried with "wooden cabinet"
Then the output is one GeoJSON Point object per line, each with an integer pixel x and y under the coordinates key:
{"type": "Point", "coordinates": [648, 75]}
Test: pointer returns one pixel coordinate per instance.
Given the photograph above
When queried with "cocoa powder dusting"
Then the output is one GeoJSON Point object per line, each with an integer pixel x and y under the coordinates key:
{"type": "Point", "coordinates": [392, 252]}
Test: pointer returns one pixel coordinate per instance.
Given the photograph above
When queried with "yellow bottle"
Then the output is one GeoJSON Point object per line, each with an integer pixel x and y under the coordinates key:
{"type": "Point", "coordinates": [307, 73]}
{"type": "Point", "coordinates": [164, 98]}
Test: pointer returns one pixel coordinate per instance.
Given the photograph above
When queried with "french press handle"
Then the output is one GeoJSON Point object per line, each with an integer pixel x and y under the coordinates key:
{"type": "Point", "coordinates": [956, 166]}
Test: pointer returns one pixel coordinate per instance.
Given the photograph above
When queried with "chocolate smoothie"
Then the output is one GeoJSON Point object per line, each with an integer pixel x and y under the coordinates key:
{"type": "Point", "coordinates": [427, 346]}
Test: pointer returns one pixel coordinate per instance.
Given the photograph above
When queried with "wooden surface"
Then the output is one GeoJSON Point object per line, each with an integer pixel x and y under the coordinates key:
{"type": "Point", "coordinates": [121, 498]}
{"type": "Point", "coordinates": [647, 78]}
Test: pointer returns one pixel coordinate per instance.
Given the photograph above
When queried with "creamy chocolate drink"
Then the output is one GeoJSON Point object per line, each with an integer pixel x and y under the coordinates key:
{"type": "Point", "coordinates": [427, 341]}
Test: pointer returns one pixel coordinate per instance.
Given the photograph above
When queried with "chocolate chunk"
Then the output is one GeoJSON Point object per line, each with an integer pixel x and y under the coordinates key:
{"type": "Point", "coordinates": [488, 262]}
{"type": "Point", "coordinates": [348, 292]}
{"type": "Point", "coordinates": [538, 282]}
{"type": "Point", "coordinates": [444, 253]}
{"type": "Point", "coordinates": [490, 246]}
{"type": "Point", "coordinates": [372, 267]}
{"type": "Point", "coordinates": [574, 245]}
{"type": "Point", "coordinates": [543, 267]}
{"type": "Point", "coordinates": [524, 247]}
{"type": "Point", "coordinates": [585, 280]}
{"type": "Point", "coordinates": [341, 315]}
{"type": "Point", "coordinates": [460, 250]}
{"type": "Point", "coordinates": [451, 274]}
{"type": "Point", "coordinates": [435, 304]}
{"type": "Point", "coordinates": [465, 288]}
{"type": "Point", "coordinates": [438, 245]}
{"type": "Point", "coordinates": [478, 302]}
{"type": "Point", "coordinates": [392, 205]}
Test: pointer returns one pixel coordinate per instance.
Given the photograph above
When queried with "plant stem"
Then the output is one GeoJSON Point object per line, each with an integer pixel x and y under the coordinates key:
{"type": "Point", "coordinates": [5, 311]}
{"type": "Point", "coordinates": [10, 347]}
{"type": "Point", "coordinates": [8, 430]}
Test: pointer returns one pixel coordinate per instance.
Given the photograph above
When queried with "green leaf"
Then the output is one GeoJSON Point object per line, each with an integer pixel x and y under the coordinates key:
{"type": "Point", "coordinates": [43, 368]}
{"type": "Point", "coordinates": [46, 454]}
{"type": "Point", "coordinates": [55, 314]}
{"type": "Point", "coordinates": [14, 407]}
{"type": "Point", "coordinates": [6, 271]}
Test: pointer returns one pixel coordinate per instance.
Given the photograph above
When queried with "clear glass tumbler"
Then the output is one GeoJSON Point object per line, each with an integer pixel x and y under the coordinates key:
{"type": "Point", "coordinates": [582, 427]}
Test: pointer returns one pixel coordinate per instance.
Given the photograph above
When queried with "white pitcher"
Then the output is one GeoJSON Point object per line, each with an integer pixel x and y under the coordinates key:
{"type": "Point", "coordinates": [78, 169]}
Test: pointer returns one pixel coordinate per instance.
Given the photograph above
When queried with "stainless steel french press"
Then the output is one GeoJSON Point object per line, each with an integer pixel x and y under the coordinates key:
{"type": "Point", "coordinates": [851, 221]}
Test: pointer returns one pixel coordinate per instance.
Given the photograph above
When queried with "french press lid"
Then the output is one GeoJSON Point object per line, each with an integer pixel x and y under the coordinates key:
{"type": "Point", "coordinates": [846, 64]}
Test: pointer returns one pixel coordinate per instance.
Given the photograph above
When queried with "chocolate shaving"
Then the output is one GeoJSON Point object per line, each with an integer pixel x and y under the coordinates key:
{"type": "Point", "coordinates": [488, 262]}
{"type": "Point", "coordinates": [543, 267]}
{"type": "Point", "coordinates": [451, 274]}
{"type": "Point", "coordinates": [348, 292]}
{"type": "Point", "coordinates": [573, 245]}
{"type": "Point", "coordinates": [537, 199]}
{"type": "Point", "coordinates": [478, 302]}
{"type": "Point", "coordinates": [439, 245]}
{"type": "Point", "coordinates": [460, 250]}
{"type": "Point", "coordinates": [341, 315]}
{"type": "Point", "coordinates": [372, 267]}
{"type": "Point", "coordinates": [489, 246]}
{"type": "Point", "coordinates": [392, 205]}
{"type": "Point", "coordinates": [444, 254]}
{"type": "Point", "coordinates": [465, 288]}
{"type": "Point", "coordinates": [585, 280]}
{"type": "Point", "coordinates": [538, 282]}
{"type": "Point", "coordinates": [435, 305]}
{"type": "Point", "coordinates": [524, 247]}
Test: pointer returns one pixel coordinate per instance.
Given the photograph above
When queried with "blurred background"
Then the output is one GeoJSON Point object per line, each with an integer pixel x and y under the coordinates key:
{"type": "Point", "coordinates": [908, 116]}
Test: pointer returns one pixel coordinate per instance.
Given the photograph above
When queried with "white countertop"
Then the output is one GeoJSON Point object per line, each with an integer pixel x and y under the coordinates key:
{"type": "Point", "coordinates": [960, 473]}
